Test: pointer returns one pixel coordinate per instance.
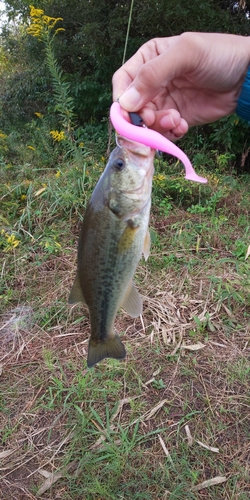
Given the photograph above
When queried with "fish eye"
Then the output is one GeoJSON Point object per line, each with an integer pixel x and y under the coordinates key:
{"type": "Point", "coordinates": [119, 164]}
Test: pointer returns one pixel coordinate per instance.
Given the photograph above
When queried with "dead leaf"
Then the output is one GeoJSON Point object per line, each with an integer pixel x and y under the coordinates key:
{"type": "Point", "coordinates": [189, 436]}
{"type": "Point", "coordinates": [153, 378]}
{"type": "Point", "coordinates": [157, 371]}
{"type": "Point", "coordinates": [165, 449]}
{"type": "Point", "coordinates": [176, 348]}
{"type": "Point", "coordinates": [209, 482]}
{"type": "Point", "coordinates": [194, 347]}
{"type": "Point", "coordinates": [164, 335]}
{"type": "Point", "coordinates": [155, 409]}
{"type": "Point", "coordinates": [49, 482]}
{"type": "Point", "coordinates": [149, 414]}
{"type": "Point", "coordinates": [40, 191]}
{"type": "Point", "coordinates": [54, 477]}
{"type": "Point", "coordinates": [210, 448]}
{"type": "Point", "coordinates": [44, 473]}
{"type": "Point", "coordinates": [248, 253]}
{"type": "Point", "coordinates": [103, 436]}
{"type": "Point", "coordinates": [6, 453]}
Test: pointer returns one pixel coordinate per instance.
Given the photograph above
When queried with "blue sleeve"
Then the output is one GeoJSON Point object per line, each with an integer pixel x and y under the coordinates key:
{"type": "Point", "coordinates": [243, 105]}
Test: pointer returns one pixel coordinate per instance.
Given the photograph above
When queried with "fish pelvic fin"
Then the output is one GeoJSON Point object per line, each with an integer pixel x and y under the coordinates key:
{"type": "Point", "coordinates": [112, 347]}
{"type": "Point", "coordinates": [76, 294]}
{"type": "Point", "coordinates": [132, 302]}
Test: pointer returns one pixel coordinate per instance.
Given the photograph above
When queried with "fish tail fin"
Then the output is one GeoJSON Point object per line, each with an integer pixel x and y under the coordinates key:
{"type": "Point", "coordinates": [110, 348]}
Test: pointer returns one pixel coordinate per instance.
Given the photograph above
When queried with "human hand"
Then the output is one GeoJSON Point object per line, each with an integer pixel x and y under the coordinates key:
{"type": "Point", "coordinates": [184, 80]}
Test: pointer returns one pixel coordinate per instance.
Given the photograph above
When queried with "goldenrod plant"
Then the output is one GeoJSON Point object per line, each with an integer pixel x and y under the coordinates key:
{"type": "Point", "coordinates": [44, 28]}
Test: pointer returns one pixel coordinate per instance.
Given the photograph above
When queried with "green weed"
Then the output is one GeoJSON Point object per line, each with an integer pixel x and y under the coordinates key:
{"type": "Point", "coordinates": [100, 428]}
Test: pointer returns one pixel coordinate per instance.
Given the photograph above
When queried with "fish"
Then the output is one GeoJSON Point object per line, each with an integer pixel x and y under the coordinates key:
{"type": "Point", "coordinates": [113, 237]}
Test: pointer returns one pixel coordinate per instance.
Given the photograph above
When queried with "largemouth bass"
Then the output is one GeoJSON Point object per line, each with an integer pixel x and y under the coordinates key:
{"type": "Point", "coordinates": [113, 237]}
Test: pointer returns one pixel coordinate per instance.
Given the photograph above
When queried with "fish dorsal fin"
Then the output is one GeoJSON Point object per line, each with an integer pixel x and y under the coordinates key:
{"type": "Point", "coordinates": [146, 247]}
{"type": "Point", "coordinates": [132, 302]}
{"type": "Point", "coordinates": [76, 294]}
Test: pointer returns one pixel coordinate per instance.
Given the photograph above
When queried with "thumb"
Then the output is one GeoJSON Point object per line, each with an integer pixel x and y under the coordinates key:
{"type": "Point", "coordinates": [145, 86]}
{"type": "Point", "coordinates": [154, 75]}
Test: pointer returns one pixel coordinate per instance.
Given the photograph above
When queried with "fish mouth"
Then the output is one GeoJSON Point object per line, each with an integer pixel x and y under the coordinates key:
{"type": "Point", "coordinates": [133, 150]}
{"type": "Point", "coordinates": [133, 146]}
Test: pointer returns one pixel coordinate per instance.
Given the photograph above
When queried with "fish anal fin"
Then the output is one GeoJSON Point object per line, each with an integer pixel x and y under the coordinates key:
{"type": "Point", "coordinates": [132, 302]}
{"type": "Point", "coordinates": [112, 347]}
{"type": "Point", "coordinates": [146, 247]}
{"type": "Point", "coordinates": [76, 294]}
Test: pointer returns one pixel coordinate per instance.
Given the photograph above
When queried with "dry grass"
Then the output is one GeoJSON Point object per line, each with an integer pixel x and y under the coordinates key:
{"type": "Point", "coordinates": [187, 368]}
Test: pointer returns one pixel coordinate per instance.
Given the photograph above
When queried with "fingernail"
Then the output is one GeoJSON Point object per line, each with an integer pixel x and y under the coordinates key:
{"type": "Point", "coordinates": [130, 99]}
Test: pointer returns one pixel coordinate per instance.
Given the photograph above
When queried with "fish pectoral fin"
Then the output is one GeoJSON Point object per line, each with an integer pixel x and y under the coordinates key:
{"type": "Point", "coordinates": [112, 347]}
{"type": "Point", "coordinates": [132, 302]}
{"type": "Point", "coordinates": [127, 237]}
{"type": "Point", "coordinates": [76, 294]}
{"type": "Point", "coordinates": [146, 247]}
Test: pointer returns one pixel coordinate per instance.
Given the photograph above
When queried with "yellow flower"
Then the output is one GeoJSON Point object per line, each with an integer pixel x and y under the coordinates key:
{"type": "Point", "coordinates": [59, 29]}
{"type": "Point", "coordinates": [58, 136]}
{"type": "Point", "coordinates": [27, 182]}
{"type": "Point", "coordinates": [31, 147]}
{"type": "Point", "coordinates": [12, 242]}
{"type": "Point", "coordinates": [39, 115]}
{"type": "Point", "coordinates": [58, 173]}
{"type": "Point", "coordinates": [81, 144]}
{"type": "Point", "coordinates": [160, 177]}
{"type": "Point", "coordinates": [35, 12]}
{"type": "Point", "coordinates": [213, 179]}
{"type": "Point", "coordinates": [41, 24]}
{"type": "Point", "coordinates": [23, 197]}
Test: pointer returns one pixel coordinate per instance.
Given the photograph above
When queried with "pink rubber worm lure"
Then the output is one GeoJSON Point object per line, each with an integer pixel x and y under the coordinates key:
{"type": "Point", "coordinates": [151, 138]}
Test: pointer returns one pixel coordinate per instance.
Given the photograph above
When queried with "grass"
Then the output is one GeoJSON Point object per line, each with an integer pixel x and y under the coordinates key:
{"type": "Point", "coordinates": [176, 413]}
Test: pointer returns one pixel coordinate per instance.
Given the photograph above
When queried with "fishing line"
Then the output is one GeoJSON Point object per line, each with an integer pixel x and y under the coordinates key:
{"type": "Point", "coordinates": [110, 127]}
{"type": "Point", "coordinates": [128, 28]}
